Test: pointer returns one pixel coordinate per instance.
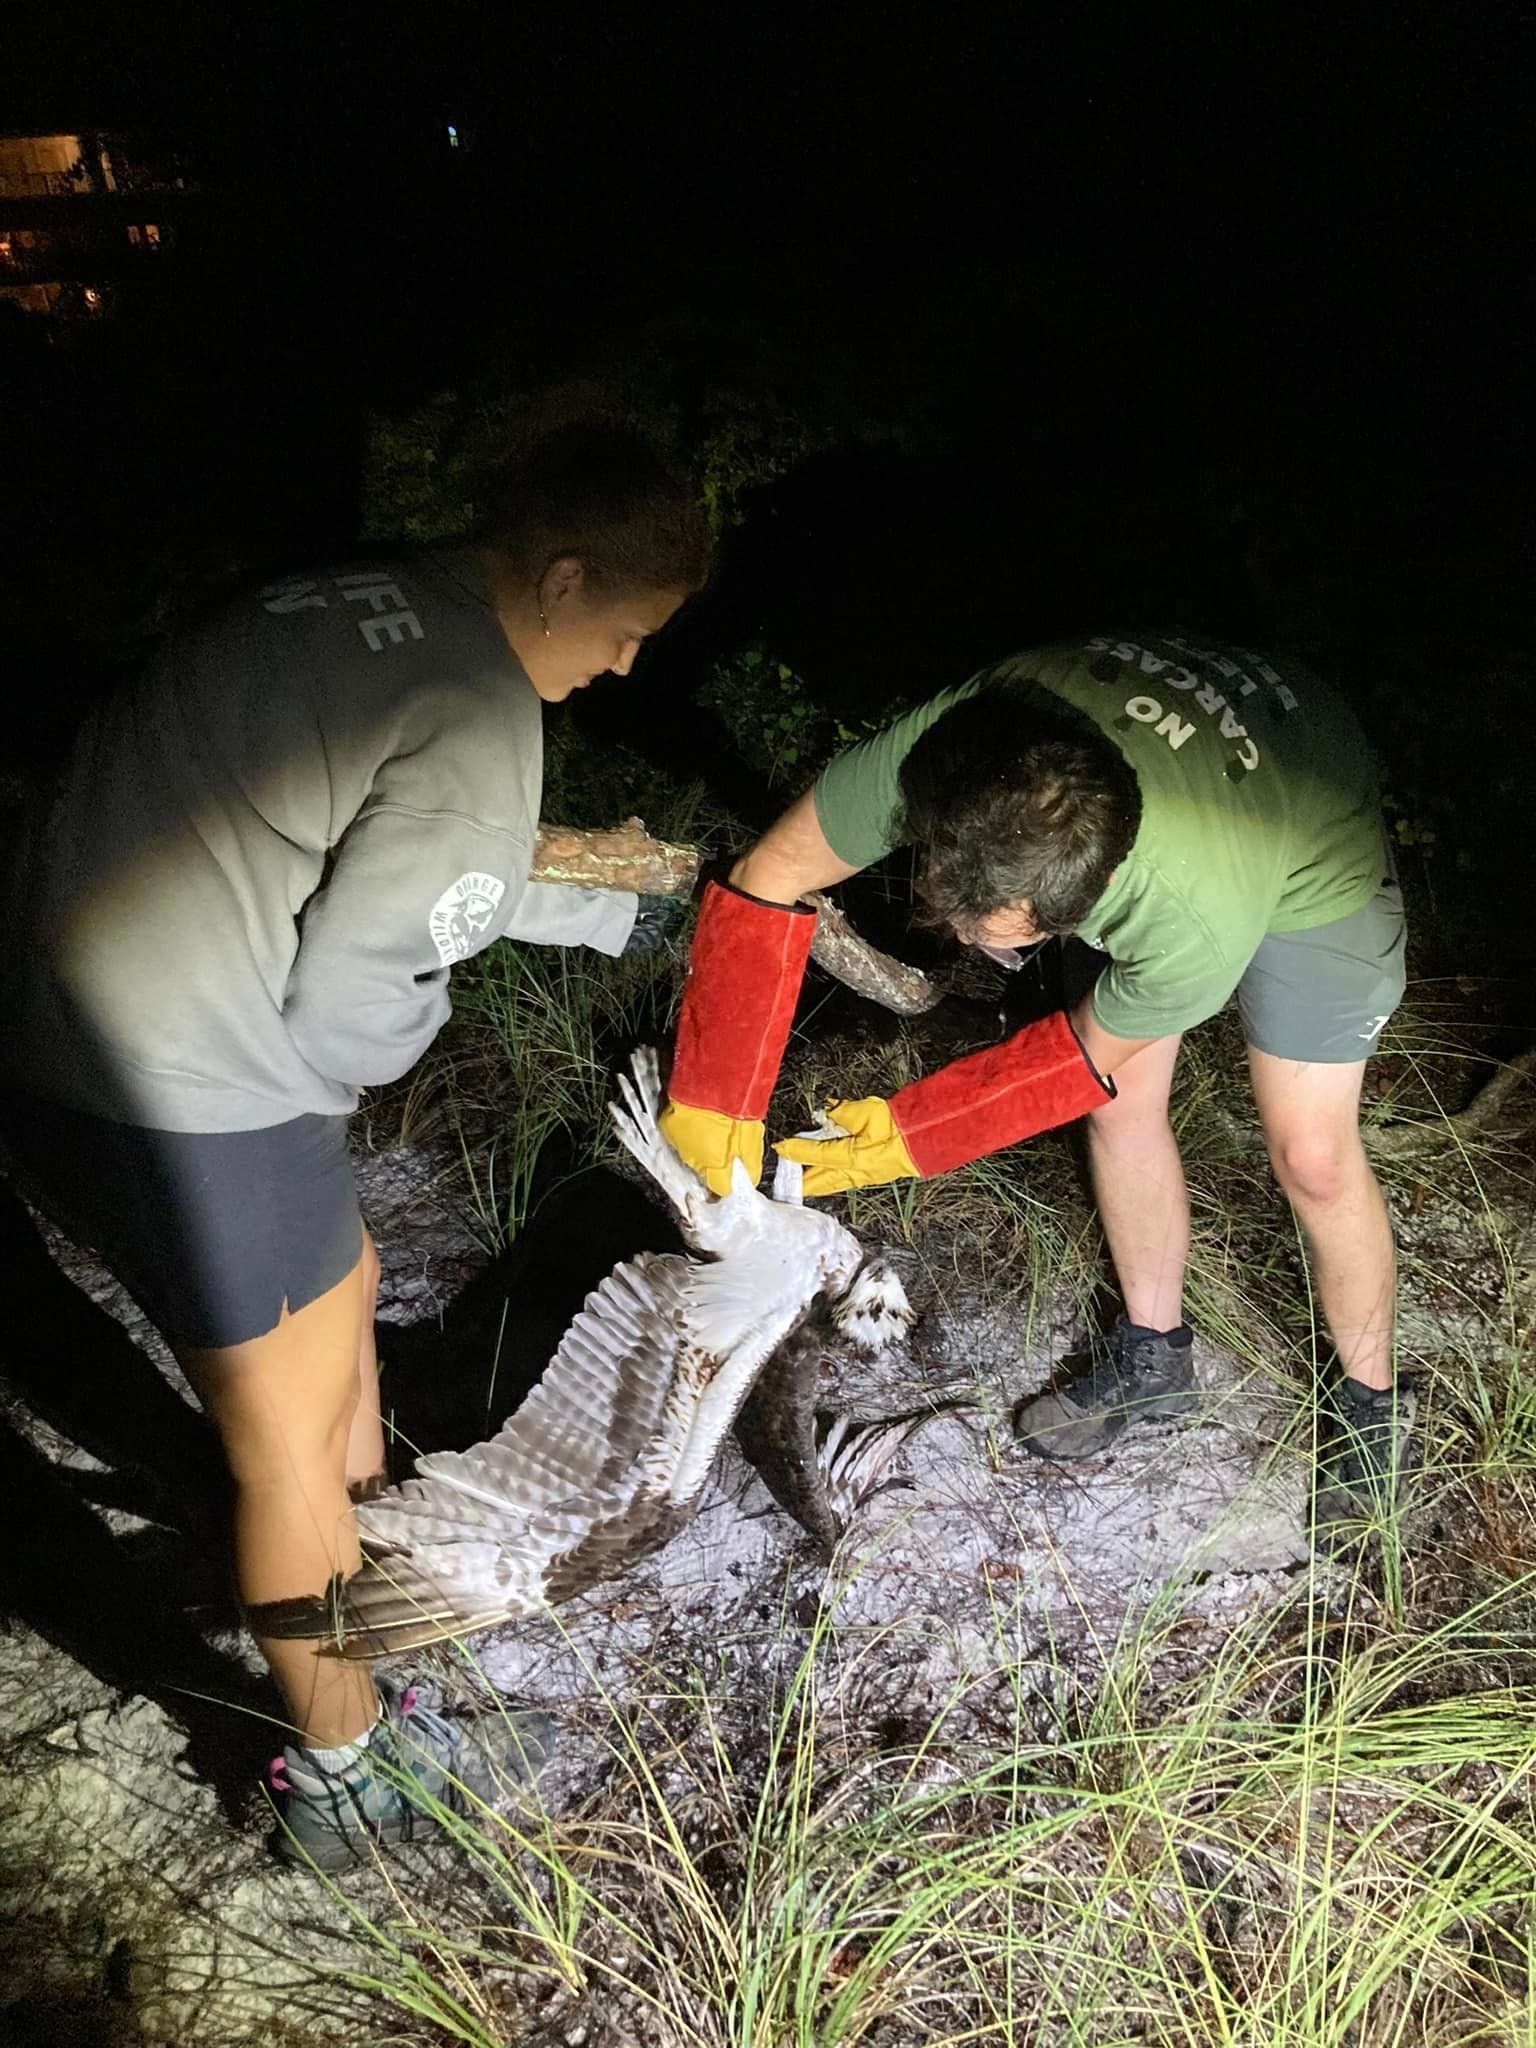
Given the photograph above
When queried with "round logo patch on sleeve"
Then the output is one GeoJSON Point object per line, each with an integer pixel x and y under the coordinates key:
{"type": "Point", "coordinates": [462, 914]}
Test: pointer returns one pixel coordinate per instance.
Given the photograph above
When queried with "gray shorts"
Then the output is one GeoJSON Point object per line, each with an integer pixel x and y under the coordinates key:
{"type": "Point", "coordinates": [1322, 996]}
{"type": "Point", "coordinates": [212, 1233]}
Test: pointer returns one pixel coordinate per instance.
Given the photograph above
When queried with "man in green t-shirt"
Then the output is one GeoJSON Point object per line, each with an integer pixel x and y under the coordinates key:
{"type": "Point", "coordinates": [1209, 819]}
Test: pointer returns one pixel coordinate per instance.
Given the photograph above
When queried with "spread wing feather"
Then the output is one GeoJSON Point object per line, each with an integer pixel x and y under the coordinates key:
{"type": "Point", "coordinates": [554, 1502]}
{"type": "Point", "coordinates": [719, 1224]}
{"type": "Point", "coordinates": [582, 1427]}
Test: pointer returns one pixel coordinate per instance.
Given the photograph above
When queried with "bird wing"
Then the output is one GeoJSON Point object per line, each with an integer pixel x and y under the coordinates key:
{"type": "Point", "coordinates": [576, 1436]}
{"type": "Point", "coordinates": [572, 1487]}
{"type": "Point", "coordinates": [738, 1313]}
{"type": "Point", "coordinates": [721, 1225]}
{"type": "Point", "coordinates": [477, 1537]}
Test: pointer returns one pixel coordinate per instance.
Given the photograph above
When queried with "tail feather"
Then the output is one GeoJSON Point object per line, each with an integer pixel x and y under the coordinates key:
{"type": "Point", "coordinates": [854, 1457]}
{"type": "Point", "coordinates": [392, 1603]}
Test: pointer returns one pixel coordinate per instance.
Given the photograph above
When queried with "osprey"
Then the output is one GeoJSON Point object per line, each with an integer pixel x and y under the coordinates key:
{"type": "Point", "coordinates": [608, 1456]}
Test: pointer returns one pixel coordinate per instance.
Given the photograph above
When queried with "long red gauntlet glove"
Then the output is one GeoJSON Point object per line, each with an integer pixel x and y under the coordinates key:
{"type": "Point", "coordinates": [744, 973]}
{"type": "Point", "coordinates": [1039, 1078]}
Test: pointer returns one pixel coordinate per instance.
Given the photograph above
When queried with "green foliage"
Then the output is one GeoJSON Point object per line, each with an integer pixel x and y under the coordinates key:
{"type": "Point", "coordinates": [593, 785]}
{"type": "Point", "coordinates": [416, 484]}
{"type": "Point", "coordinates": [738, 412]}
{"type": "Point", "coordinates": [744, 445]}
{"type": "Point", "coordinates": [529, 1057]}
{"type": "Point", "coordinates": [775, 723]}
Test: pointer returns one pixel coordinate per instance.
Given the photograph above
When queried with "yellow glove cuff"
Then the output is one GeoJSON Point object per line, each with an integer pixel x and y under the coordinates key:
{"type": "Point", "coordinates": [873, 1152]}
{"type": "Point", "coordinates": [708, 1140]}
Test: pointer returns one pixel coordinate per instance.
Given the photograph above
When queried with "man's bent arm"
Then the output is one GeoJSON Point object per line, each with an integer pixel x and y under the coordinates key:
{"type": "Point", "coordinates": [1105, 1051]}
{"type": "Point", "coordinates": [791, 859]}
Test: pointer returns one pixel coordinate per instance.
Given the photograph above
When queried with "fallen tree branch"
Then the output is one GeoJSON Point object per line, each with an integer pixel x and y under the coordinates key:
{"type": "Point", "coordinates": [627, 857]}
{"type": "Point", "coordinates": [838, 948]}
{"type": "Point", "coordinates": [1490, 1113]}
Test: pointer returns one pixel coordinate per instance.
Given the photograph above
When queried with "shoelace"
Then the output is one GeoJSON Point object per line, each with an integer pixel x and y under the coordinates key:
{"type": "Point", "coordinates": [1110, 1371]}
{"type": "Point", "coordinates": [433, 1731]}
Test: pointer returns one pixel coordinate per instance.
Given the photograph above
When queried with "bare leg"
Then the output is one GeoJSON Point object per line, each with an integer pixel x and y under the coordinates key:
{"type": "Point", "coordinates": [365, 1440]}
{"type": "Point", "coordinates": [1138, 1183]}
{"type": "Point", "coordinates": [1311, 1118]}
{"type": "Point", "coordinates": [283, 1405]}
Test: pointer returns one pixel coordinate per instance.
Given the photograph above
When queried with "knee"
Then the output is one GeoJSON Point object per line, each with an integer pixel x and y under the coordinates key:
{"type": "Point", "coordinates": [1317, 1169]}
{"type": "Point", "coordinates": [271, 1442]}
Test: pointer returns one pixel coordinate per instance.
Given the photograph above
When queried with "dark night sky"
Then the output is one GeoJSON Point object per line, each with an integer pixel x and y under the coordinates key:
{"type": "Point", "coordinates": [1269, 234]}
{"type": "Point", "coordinates": [1320, 200]}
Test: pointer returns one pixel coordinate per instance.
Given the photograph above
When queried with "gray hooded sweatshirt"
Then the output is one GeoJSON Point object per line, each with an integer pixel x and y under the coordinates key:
{"type": "Point", "coordinates": [244, 899]}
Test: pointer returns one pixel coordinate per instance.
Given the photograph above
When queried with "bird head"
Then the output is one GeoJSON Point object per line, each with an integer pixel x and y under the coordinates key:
{"type": "Point", "coordinates": [874, 1312]}
{"type": "Point", "coordinates": [869, 1303]}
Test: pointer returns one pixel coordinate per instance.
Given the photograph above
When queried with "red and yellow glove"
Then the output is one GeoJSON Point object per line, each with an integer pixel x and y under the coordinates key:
{"type": "Point", "coordinates": [744, 973]}
{"type": "Point", "coordinates": [1039, 1078]}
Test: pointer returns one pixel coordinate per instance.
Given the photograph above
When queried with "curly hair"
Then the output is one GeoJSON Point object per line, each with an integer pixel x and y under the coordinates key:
{"type": "Point", "coordinates": [603, 495]}
{"type": "Point", "coordinates": [1014, 798]}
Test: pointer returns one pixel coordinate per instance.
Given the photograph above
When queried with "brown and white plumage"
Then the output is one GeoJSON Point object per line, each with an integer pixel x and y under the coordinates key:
{"type": "Point", "coordinates": [820, 1465]}
{"type": "Point", "coordinates": [609, 1455]}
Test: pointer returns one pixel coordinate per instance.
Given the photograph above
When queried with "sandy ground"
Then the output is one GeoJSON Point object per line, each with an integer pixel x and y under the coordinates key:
{"type": "Point", "coordinates": [138, 1903]}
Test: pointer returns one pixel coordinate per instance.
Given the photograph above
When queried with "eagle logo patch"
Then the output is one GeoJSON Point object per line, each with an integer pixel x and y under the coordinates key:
{"type": "Point", "coordinates": [462, 913]}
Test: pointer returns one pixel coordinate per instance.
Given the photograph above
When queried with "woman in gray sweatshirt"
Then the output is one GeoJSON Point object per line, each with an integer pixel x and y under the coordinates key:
{"type": "Point", "coordinates": [241, 904]}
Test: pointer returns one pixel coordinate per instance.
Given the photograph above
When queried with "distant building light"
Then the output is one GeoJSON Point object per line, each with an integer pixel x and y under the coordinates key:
{"type": "Point", "coordinates": [453, 136]}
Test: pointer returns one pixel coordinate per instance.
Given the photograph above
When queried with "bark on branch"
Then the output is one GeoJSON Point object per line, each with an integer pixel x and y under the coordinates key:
{"type": "Point", "coordinates": [627, 857]}
{"type": "Point", "coordinates": [1491, 1112]}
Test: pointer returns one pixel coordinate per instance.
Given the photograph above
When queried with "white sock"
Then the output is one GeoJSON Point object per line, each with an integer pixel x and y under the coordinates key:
{"type": "Point", "coordinates": [334, 1761]}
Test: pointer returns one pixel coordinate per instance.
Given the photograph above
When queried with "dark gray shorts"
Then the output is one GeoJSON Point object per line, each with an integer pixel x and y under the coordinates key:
{"type": "Point", "coordinates": [1323, 995]}
{"type": "Point", "coordinates": [212, 1233]}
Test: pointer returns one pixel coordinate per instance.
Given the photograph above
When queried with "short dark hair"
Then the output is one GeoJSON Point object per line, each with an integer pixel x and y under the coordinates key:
{"type": "Point", "coordinates": [1014, 797]}
{"type": "Point", "coordinates": [604, 496]}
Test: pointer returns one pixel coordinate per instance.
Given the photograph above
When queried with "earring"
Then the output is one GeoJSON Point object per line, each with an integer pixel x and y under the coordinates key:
{"type": "Point", "coordinates": [542, 620]}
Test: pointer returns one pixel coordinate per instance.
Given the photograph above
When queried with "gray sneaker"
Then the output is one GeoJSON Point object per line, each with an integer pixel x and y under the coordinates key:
{"type": "Point", "coordinates": [417, 1761]}
{"type": "Point", "coordinates": [1366, 1455]}
{"type": "Point", "coordinates": [1130, 1373]}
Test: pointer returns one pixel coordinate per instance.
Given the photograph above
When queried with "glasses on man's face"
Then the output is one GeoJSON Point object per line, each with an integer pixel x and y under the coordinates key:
{"type": "Point", "coordinates": [1010, 957]}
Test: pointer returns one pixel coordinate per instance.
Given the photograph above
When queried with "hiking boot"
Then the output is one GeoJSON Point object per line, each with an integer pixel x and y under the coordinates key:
{"type": "Point", "coordinates": [1130, 1373]}
{"type": "Point", "coordinates": [1366, 1454]}
{"type": "Point", "coordinates": [416, 1764]}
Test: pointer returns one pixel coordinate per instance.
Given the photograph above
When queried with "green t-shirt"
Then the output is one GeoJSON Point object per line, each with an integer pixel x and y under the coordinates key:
{"type": "Point", "coordinates": [1260, 812]}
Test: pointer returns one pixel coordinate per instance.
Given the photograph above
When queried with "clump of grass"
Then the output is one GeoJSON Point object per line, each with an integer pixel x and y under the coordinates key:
{"type": "Point", "coordinates": [539, 1032]}
{"type": "Point", "coordinates": [1314, 1835]}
